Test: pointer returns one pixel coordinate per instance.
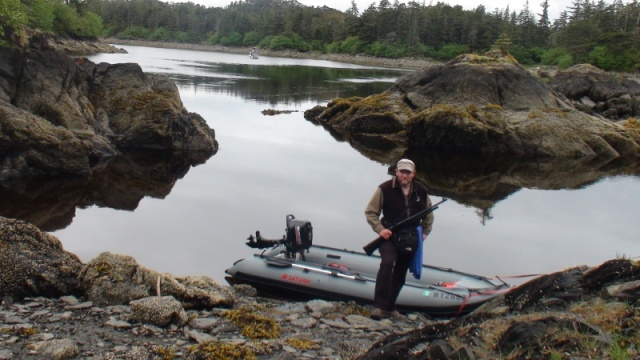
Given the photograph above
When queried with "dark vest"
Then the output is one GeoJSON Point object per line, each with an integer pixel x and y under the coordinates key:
{"type": "Point", "coordinates": [394, 202]}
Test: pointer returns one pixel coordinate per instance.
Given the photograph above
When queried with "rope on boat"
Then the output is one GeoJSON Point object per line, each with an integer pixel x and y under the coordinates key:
{"type": "Point", "coordinates": [464, 302]}
{"type": "Point", "coordinates": [500, 277]}
{"type": "Point", "coordinates": [477, 293]}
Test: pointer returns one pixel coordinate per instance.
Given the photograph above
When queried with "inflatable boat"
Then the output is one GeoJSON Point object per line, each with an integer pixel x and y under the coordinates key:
{"type": "Point", "coordinates": [294, 267]}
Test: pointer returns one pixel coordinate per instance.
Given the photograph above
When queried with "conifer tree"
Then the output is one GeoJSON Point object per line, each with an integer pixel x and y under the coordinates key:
{"type": "Point", "coordinates": [503, 43]}
{"type": "Point", "coordinates": [353, 10]}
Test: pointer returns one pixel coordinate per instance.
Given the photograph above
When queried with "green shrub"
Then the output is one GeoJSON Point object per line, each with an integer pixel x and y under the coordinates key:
{"type": "Point", "coordinates": [41, 15]}
{"type": "Point", "coordinates": [233, 39]}
{"type": "Point", "coordinates": [451, 51]}
{"type": "Point", "coordinates": [68, 22]}
{"type": "Point", "coordinates": [12, 15]}
{"type": "Point", "coordinates": [90, 25]}
{"type": "Point", "coordinates": [280, 43]}
{"type": "Point", "coordinates": [188, 37]}
{"type": "Point", "coordinates": [134, 32]}
{"type": "Point", "coordinates": [559, 57]}
{"type": "Point", "coordinates": [384, 49]}
{"type": "Point", "coordinates": [604, 58]}
{"type": "Point", "coordinates": [109, 31]}
{"type": "Point", "coordinates": [352, 45]}
{"type": "Point", "coordinates": [213, 39]}
{"type": "Point", "coordinates": [264, 43]}
{"type": "Point", "coordinates": [251, 38]}
{"type": "Point", "coordinates": [317, 45]}
{"type": "Point", "coordinates": [526, 56]}
{"type": "Point", "coordinates": [161, 34]}
{"type": "Point", "coordinates": [298, 43]}
{"type": "Point", "coordinates": [428, 51]}
{"type": "Point", "coordinates": [565, 61]}
{"type": "Point", "coordinates": [334, 47]}
{"type": "Point", "coordinates": [65, 19]}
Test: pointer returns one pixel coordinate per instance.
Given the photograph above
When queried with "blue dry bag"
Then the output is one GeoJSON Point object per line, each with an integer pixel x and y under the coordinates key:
{"type": "Point", "coordinates": [415, 267]}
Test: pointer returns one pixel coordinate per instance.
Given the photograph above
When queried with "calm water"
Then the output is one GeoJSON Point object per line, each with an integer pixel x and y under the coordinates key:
{"type": "Point", "coordinates": [272, 166]}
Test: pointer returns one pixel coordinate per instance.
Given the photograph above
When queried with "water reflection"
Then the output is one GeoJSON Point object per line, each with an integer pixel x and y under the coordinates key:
{"type": "Point", "coordinates": [121, 183]}
{"type": "Point", "coordinates": [269, 80]}
{"type": "Point", "coordinates": [482, 183]}
{"type": "Point", "coordinates": [286, 85]}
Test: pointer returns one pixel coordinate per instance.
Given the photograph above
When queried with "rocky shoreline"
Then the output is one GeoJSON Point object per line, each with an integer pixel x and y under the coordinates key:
{"type": "Point", "coordinates": [70, 328]}
{"type": "Point", "coordinates": [112, 308]}
{"type": "Point", "coordinates": [66, 328]}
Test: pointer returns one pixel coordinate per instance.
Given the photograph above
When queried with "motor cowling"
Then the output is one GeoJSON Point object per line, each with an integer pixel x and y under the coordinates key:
{"type": "Point", "coordinates": [299, 236]}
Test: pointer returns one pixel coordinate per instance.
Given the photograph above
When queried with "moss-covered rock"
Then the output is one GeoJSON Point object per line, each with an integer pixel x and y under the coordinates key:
{"type": "Point", "coordinates": [60, 115]}
{"type": "Point", "coordinates": [475, 105]}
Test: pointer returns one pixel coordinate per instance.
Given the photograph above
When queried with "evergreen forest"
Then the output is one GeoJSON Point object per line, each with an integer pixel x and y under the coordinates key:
{"type": "Point", "coordinates": [604, 34]}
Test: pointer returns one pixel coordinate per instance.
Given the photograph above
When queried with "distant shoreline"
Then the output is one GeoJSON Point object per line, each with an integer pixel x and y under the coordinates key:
{"type": "Point", "coordinates": [366, 60]}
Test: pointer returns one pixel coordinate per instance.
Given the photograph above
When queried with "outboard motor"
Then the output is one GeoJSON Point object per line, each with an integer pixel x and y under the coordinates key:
{"type": "Point", "coordinates": [299, 236]}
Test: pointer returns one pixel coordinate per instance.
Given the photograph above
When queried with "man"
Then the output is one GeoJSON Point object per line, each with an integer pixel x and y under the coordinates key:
{"type": "Point", "coordinates": [396, 200]}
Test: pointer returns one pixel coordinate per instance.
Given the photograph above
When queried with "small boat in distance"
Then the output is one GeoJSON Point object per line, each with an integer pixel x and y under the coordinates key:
{"type": "Point", "coordinates": [253, 54]}
{"type": "Point", "coordinates": [294, 267]}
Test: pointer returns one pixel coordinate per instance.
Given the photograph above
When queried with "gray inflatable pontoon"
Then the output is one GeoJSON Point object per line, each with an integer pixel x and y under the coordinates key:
{"type": "Point", "coordinates": [334, 274]}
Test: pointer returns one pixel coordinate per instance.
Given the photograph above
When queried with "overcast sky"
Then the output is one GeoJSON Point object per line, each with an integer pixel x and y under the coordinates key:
{"type": "Point", "coordinates": [555, 6]}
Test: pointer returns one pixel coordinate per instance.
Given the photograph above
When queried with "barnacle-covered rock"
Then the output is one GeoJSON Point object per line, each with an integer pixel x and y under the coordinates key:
{"type": "Point", "coordinates": [33, 263]}
{"type": "Point", "coordinates": [113, 279]}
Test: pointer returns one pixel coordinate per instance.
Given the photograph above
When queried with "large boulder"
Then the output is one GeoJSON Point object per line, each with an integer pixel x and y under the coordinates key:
{"type": "Point", "coordinates": [158, 310]}
{"type": "Point", "coordinates": [475, 105]}
{"type": "Point", "coordinates": [144, 111]}
{"type": "Point", "coordinates": [538, 133]}
{"type": "Point", "coordinates": [33, 263]}
{"type": "Point", "coordinates": [493, 79]}
{"type": "Point", "coordinates": [60, 115]}
{"type": "Point", "coordinates": [112, 279]}
{"type": "Point", "coordinates": [597, 92]}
